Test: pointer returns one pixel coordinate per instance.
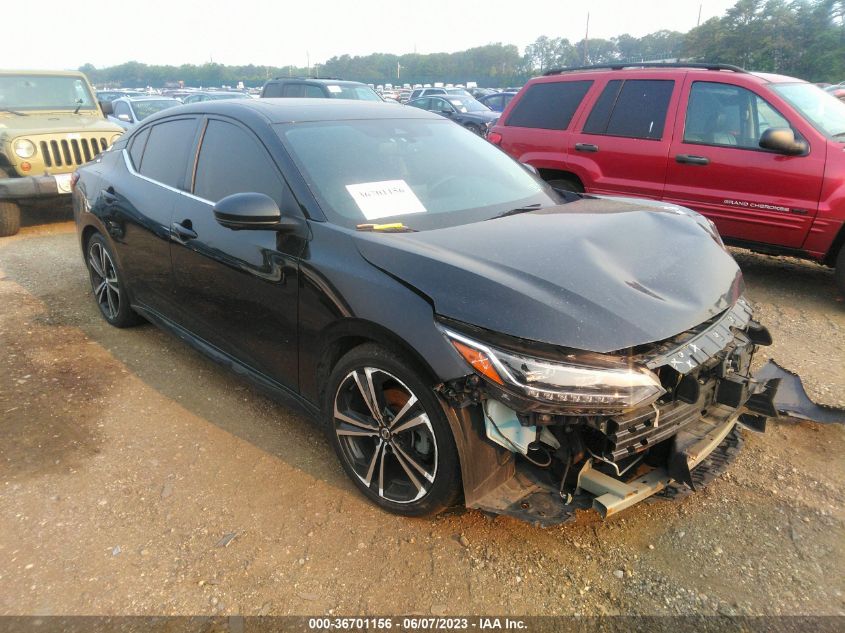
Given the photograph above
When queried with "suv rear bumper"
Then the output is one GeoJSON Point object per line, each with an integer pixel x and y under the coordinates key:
{"type": "Point", "coordinates": [30, 188]}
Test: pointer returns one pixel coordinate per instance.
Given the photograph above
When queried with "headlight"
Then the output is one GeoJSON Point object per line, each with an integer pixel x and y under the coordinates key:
{"type": "Point", "coordinates": [24, 148]}
{"type": "Point", "coordinates": [591, 383]}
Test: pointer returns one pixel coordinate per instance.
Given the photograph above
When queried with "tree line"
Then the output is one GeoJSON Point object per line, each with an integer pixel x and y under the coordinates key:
{"type": "Point", "coordinates": [802, 38]}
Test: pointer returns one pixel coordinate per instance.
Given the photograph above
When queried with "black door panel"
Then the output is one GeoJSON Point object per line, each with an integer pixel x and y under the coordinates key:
{"type": "Point", "coordinates": [237, 289]}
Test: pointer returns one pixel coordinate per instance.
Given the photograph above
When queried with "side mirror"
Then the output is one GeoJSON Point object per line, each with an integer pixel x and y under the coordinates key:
{"type": "Point", "coordinates": [782, 140]}
{"type": "Point", "coordinates": [106, 107]}
{"type": "Point", "coordinates": [252, 211]}
{"type": "Point", "coordinates": [124, 117]}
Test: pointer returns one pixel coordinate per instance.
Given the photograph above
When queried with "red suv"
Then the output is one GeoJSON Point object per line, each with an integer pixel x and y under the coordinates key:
{"type": "Point", "coordinates": [761, 155]}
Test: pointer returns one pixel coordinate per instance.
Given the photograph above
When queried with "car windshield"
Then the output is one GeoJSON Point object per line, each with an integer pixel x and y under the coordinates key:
{"type": "Point", "coordinates": [143, 109]}
{"type": "Point", "coordinates": [466, 104]}
{"type": "Point", "coordinates": [426, 173]}
{"type": "Point", "coordinates": [359, 93]}
{"type": "Point", "coordinates": [825, 112]}
{"type": "Point", "coordinates": [44, 92]}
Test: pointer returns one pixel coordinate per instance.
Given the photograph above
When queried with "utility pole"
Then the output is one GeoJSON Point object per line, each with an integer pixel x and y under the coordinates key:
{"type": "Point", "coordinates": [398, 68]}
{"type": "Point", "coordinates": [587, 40]}
{"type": "Point", "coordinates": [698, 22]}
{"type": "Point", "coordinates": [307, 64]}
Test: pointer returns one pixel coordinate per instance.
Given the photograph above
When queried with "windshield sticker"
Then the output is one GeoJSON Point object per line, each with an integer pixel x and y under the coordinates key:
{"type": "Point", "coordinates": [334, 88]}
{"type": "Point", "coordinates": [385, 199]}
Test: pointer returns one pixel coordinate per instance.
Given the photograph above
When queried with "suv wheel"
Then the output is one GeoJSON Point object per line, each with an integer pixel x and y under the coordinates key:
{"type": "Point", "coordinates": [10, 218]}
{"type": "Point", "coordinates": [390, 433]}
{"type": "Point", "coordinates": [839, 272]}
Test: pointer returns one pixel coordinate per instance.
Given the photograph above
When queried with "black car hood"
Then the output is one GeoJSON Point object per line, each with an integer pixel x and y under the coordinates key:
{"type": "Point", "coordinates": [596, 274]}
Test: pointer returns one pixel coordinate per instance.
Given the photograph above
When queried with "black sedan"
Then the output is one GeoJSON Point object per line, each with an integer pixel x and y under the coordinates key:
{"type": "Point", "coordinates": [460, 329]}
{"type": "Point", "coordinates": [464, 110]}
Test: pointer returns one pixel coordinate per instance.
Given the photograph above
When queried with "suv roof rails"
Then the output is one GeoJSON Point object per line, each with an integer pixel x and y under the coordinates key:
{"type": "Point", "coordinates": [622, 66]}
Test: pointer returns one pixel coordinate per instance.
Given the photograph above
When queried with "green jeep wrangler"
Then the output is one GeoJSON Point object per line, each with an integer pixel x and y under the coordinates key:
{"type": "Point", "coordinates": [50, 124]}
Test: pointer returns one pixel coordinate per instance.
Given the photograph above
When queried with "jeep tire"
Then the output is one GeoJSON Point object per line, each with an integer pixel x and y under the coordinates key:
{"type": "Point", "coordinates": [10, 218]}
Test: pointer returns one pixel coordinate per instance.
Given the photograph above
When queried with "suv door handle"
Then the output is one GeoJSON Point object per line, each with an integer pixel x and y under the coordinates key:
{"type": "Point", "coordinates": [690, 159]}
{"type": "Point", "coordinates": [184, 230]}
{"type": "Point", "coordinates": [586, 147]}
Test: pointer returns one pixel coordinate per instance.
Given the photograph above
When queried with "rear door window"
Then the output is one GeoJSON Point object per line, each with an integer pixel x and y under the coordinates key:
{"type": "Point", "coordinates": [272, 90]}
{"type": "Point", "coordinates": [293, 90]}
{"type": "Point", "coordinates": [494, 102]}
{"type": "Point", "coordinates": [549, 106]}
{"type": "Point", "coordinates": [136, 149]}
{"type": "Point", "coordinates": [633, 108]}
{"type": "Point", "coordinates": [314, 92]}
{"type": "Point", "coordinates": [231, 161]}
{"type": "Point", "coordinates": [168, 148]}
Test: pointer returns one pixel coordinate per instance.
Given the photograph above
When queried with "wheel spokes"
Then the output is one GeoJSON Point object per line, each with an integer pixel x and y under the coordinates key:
{"type": "Point", "coordinates": [411, 402]}
{"type": "Point", "coordinates": [368, 393]}
{"type": "Point", "coordinates": [369, 433]}
{"type": "Point", "coordinates": [356, 431]}
{"type": "Point", "coordinates": [422, 418]}
{"type": "Point", "coordinates": [351, 418]}
{"type": "Point", "coordinates": [371, 468]}
{"type": "Point", "coordinates": [95, 264]}
{"type": "Point", "coordinates": [422, 471]}
{"type": "Point", "coordinates": [104, 280]}
{"type": "Point", "coordinates": [416, 482]}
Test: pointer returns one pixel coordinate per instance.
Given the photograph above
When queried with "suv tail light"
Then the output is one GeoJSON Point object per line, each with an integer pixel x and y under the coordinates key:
{"type": "Point", "coordinates": [495, 138]}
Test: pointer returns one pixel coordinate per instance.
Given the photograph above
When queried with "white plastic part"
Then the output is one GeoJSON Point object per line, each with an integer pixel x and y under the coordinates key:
{"type": "Point", "coordinates": [504, 428]}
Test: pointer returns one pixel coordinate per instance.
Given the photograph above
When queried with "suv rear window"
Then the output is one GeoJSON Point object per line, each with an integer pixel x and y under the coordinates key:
{"type": "Point", "coordinates": [549, 106]}
{"type": "Point", "coordinates": [634, 108]}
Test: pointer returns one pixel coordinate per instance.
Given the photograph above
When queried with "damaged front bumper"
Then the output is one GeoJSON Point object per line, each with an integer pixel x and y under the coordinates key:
{"type": "Point", "coordinates": [550, 462]}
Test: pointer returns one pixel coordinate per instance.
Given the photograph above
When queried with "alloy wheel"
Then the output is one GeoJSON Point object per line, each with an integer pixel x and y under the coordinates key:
{"type": "Point", "coordinates": [385, 435]}
{"type": "Point", "coordinates": [104, 280]}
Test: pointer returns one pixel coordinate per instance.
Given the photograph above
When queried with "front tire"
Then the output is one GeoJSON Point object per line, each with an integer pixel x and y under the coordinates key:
{"type": "Point", "coordinates": [839, 271]}
{"type": "Point", "coordinates": [107, 284]}
{"type": "Point", "coordinates": [391, 434]}
{"type": "Point", "coordinates": [10, 218]}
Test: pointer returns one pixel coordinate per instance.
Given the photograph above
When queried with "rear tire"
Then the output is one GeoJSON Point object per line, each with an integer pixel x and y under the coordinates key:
{"type": "Point", "coordinates": [10, 218]}
{"type": "Point", "coordinates": [107, 283]}
{"type": "Point", "coordinates": [400, 451]}
{"type": "Point", "coordinates": [839, 271]}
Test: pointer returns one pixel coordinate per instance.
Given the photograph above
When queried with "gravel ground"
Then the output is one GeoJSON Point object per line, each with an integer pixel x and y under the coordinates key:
{"type": "Point", "coordinates": [137, 477]}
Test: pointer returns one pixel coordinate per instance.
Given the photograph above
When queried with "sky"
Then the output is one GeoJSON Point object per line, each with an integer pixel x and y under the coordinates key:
{"type": "Point", "coordinates": [51, 34]}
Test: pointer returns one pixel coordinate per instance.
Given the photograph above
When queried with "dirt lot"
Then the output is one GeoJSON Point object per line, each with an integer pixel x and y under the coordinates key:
{"type": "Point", "coordinates": [128, 461]}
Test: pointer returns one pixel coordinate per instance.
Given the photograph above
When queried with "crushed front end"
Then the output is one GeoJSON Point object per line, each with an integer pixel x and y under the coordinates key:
{"type": "Point", "coordinates": [578, 430]}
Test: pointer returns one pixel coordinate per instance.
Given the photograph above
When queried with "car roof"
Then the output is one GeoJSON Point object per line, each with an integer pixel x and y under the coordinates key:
{"type": "Point", "coordinates": [146, 98]}
{"type": "Point", "coordinates": [46, 73]}
{"type": "Point", "coordinates": [300, 110]}
{"type": "Point", "coordinates": [316, 80]}
{"type": "Point", "coordinates": [670, 69]}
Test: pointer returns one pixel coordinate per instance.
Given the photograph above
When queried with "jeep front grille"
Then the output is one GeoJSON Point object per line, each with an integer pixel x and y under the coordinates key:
{"type": "Point", "coordinates": [71, 152]}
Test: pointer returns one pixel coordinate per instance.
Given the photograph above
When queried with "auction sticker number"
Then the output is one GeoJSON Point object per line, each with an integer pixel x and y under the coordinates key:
{"type": "Point", "coordinates": [385, 198]}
